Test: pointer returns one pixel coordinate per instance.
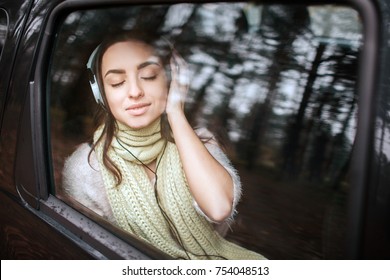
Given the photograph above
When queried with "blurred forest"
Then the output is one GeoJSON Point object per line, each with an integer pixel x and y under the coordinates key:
{"type": "Point", "coordinates": [276, 84]}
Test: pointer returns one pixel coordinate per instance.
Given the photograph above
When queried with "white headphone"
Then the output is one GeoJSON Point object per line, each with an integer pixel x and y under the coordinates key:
{"type": "Point", "coordinates": [92, 77]}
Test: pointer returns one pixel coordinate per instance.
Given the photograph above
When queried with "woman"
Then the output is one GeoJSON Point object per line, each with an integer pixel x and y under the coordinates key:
{"type": "Point", "coordinates": [147, 170]}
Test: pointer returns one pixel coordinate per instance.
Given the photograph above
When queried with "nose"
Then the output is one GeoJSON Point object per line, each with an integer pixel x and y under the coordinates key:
{"type": "Point", "coordinates": [135, 90]}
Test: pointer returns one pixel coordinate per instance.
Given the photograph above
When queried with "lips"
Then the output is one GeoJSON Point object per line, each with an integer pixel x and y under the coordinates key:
{"type": "Point", "coordinates": [138, 109]}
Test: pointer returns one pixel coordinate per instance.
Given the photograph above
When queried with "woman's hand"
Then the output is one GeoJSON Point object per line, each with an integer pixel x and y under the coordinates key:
{"type": "Point", "coordinates": [179, 84]}
{"type": "Point", "coordinates": [209, 182]}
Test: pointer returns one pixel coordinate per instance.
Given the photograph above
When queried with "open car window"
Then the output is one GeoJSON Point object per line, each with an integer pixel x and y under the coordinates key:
{"type": "Point", "coordinates": [275, 84]}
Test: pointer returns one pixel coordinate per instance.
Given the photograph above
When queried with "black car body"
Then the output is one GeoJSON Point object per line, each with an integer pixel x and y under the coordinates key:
{"type": "Point", "coordinates": [289, 221]}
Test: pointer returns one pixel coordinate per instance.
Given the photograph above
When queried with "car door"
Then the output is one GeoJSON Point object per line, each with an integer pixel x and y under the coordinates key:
{"type": "Point", "coordinates": [288, 88]}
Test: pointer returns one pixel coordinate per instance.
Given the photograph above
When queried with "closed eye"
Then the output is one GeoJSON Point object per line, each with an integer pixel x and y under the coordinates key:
{"type": "Point", "coordinates": [117, 84]}
{"type": "Point", "coordinates": [149, 78]}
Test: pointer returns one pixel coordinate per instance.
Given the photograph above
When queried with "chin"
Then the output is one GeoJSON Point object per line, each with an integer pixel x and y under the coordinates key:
{"type": "Point", "coordinates": [138, 124]}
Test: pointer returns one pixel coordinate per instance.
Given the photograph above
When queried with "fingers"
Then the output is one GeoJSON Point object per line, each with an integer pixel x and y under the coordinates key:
{"type": "Point", "coordinates": [179, 84]}
{"type": "Point", "coordinates": [179, 68]}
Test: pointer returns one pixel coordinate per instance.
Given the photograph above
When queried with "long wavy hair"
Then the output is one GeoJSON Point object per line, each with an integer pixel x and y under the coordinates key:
{"type": "Point", "coordinates": [104, 116]}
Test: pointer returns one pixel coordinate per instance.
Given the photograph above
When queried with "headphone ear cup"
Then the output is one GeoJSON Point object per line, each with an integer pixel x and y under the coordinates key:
{"type": "Point", "coordinates": [92, 77]}
{"type": "Point", "coordinates": [95, 88]}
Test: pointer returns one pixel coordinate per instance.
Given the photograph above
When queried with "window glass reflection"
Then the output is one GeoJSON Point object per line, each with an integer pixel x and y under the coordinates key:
{"type": "Point", "coordinates": [277, 86]}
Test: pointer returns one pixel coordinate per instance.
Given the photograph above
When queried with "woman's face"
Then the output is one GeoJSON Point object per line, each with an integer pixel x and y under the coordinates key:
{"type": "Point", "coordinates": [135, 83]}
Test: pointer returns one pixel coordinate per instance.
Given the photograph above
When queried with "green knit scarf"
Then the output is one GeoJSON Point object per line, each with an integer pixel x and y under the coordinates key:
{"type": "Point", "coordinates": [147, 209]}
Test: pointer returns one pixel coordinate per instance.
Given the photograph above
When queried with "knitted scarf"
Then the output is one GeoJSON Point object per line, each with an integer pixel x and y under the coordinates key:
{"type": "Point", "coordinates": [161, 212]}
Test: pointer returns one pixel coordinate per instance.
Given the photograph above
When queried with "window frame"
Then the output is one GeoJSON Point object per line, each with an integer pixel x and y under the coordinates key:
{"type": "Point", "coordinates": [2, 98]}
{"type": "Point", "coordinates": [6, 31]}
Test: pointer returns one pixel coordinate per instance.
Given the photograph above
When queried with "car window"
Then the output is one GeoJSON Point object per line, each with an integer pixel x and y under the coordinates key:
{"type": "Point", "coordinates": [3, 29]}
{"type": "Point", "coordinates": [275, 84]}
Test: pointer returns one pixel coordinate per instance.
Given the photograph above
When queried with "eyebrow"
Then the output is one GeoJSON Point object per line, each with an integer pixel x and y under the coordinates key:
{"type": "Point", "coordinates": [147, 63]}
{"type": "Point", "coordinates": [139, 67]}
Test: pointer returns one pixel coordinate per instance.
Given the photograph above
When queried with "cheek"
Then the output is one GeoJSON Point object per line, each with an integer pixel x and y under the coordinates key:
{"type": "Point", "coordinates": [159, 91]}
{"type": "Point", "coordinates": [163, 97]}
{"type": "Point", "coordinates": [113, 96]}
{"type": "Point", "coordinates": [160, 104]}
{"type": "Point", "coordinates": [114, 102]}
